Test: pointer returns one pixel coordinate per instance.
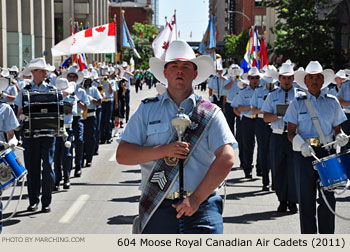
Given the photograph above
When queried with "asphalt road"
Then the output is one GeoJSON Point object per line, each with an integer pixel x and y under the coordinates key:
{"type": "Point", "coordinates": [105, 200]}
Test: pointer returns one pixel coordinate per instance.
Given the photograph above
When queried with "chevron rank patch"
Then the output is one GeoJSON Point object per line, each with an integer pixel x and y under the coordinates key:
{"type": "Point", "coordinates": [160, 178]}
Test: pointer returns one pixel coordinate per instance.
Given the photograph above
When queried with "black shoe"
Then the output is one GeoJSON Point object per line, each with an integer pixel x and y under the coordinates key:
{"type": "Point", "coordinates": [292, 207]}
{"type": "Point", "coordinates": [248, 176]}
{"type": "Point", "coordinates": [109, 141]}
{"type": "Point", "coordinates": [259, 174]}
{"type": "Point", "coordinates": [88, 164]}
{"type": "Point", "coordinates": [96, 153]}
{"type": "Point", "coordinates": [266, 188]}
{"type": "Point", "coordinates": [282, 207]}
{"type": "Point", "coordinates": [66, 185]}
{"type": "Point", "coordinates": [57, 187]}
{"type": "Point", "coordinates": [77, 172]}
{"type": "Point", "coordinates": [45, 209]}
{"type": "Point", "coordinates": [32, 208]}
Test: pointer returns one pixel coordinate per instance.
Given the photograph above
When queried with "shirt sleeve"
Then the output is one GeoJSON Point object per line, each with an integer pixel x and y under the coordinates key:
{"type": "Point", "coordinates": [11, 120]}
{"type": "Point", "coordinates": [291, 113]}
{"type": "Point", "coordinates": [136, 131]}
{"type": "Point", "coordinates": [267, 106]}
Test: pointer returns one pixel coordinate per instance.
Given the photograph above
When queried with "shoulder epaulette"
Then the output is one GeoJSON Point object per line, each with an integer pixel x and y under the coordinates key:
{"type": "Point", "coordinates": [301, 97]}
{"type": "Point", "coordinates": [273, 90]}
{"type": "Point", "coordinates": [330, 96]}
{"type": "Point", "coordinates": [147, 100]}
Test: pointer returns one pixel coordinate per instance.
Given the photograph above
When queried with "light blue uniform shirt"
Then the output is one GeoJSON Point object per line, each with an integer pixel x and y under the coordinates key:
{"type": "Point", "coordinates": [259, 96]}
{"type": "Point", "coordinates": [10, 90]}
{"type": "Point", "coordinates": [129, 77]}
{"type": "Point", "coordinates": [217, 84]}
{"type": "Point", "coordinates": [108, 95]}
{"type": "Point", "coordinates": [94, 93]}
{"type": "Point", "coordinates": [332, 90]}
{"type": "Point", "coordinates": [243, 99]}
{"type": "Point", "coordinates": [277, 96]}
{"type": "Point", "coordinates": [73, 99]}
{"type": "Point", "coordinates": [327, 109]}
{"type": "Point", "coordinates": [82, 96]}
{"type": "Point", "coordinates": [232, 91]}
{"type": "Point", "coordinates": [44, 87]}
{"type": "Point", "coordinates": [151, 125]}
{"type": "Point", "coordinates": [344, 92]}
{"type": "Point", "coordinates": [8, 120]}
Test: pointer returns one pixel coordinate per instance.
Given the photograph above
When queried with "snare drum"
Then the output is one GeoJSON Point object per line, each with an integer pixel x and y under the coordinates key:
{"type": "Point", "coordinates": [333, 170]}
{"type": "Point", "coordinates": [10, 169]}
{"type": "Point", "coordinates": [44, 111]}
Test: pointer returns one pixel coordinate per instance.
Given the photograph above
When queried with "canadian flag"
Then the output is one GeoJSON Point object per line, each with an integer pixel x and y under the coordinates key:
{"type": "Point", "coordinates": [99, 39]}
{"type": "Point", "coordinates": [162, 41]}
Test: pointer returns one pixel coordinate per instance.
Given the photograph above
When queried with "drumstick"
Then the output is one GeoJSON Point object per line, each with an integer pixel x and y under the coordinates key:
{"type": "Point", "coordinates": [315, 157]}
{"type": "Point", "coordinates": [331, 143]}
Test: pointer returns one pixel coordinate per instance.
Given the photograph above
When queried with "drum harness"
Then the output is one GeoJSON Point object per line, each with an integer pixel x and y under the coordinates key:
{"type": "Point", "coordinates": [326, 145]}
{"type": "Point", "coordinates": [6, 145]}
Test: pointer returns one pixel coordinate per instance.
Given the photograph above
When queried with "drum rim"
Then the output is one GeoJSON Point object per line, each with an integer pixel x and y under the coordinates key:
{"type": "Point", "coordinates": [325, 158]}
{"type": "Point", "coordinates": [5, 152]}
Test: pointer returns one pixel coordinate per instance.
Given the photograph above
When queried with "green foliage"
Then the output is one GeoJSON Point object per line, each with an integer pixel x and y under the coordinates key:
{"type": "Point", "coordinates": [302, 33]}
{"type": "Point", "coordinates": [143, 45]}
{"type": "Point", "coordinates": [235, 45]}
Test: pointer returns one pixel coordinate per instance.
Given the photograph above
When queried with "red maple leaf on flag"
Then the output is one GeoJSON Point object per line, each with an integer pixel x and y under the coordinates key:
{"type": "Point", "coordinates": [165, 45]}
{"type": "Point", "coordinates": [100, 29]}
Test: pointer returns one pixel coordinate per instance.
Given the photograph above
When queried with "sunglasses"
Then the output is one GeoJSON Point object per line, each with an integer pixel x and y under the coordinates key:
{"type": "Point", "coordinates": [254, 77]}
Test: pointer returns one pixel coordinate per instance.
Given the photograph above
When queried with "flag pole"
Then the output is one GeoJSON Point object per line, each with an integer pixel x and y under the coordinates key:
{"type": "Point", "coordinates": [116, 38]}
{"type": "Point", "coordinates": [121, 37]}
{"type": "Point", "coordinates": [175, 23]}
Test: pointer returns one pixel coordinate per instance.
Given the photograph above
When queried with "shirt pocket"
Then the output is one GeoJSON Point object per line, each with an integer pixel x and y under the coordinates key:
{"type": "Point", "coordinates": [157, 134]}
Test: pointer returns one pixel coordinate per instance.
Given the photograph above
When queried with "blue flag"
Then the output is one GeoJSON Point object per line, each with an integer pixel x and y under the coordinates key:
{"type": "Point", "coordinates": [208, 43]}
{"type": "Point", "coordinates": [67, 62]}
{"type": "Point", "coordinates": [127, 40]}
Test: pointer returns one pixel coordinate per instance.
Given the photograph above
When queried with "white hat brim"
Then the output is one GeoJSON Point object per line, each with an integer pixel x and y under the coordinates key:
{"type": "Point", "coordinates": [205, 67]}
{"type": "Point", "coordinates": [80, 76]}
{"type": "Point", "coordinates": [327, 73]}
{"type": "Point", "coordinates": [4, 82]}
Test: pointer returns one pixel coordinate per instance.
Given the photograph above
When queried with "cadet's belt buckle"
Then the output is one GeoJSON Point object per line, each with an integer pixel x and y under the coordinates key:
{"type": "Point", "coordinates": [176, 195]}
{"type": "Point", "coordinates": [315, 141]}
{"type": "Point", "coordinates": [254, 116]}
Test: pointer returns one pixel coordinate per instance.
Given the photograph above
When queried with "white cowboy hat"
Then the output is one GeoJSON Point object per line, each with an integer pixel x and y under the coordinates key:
{"type": "Point", "coordinates": [94, 74]}
{"type": "Point", "coordinates": [240, 83]}
{"type": "Point", "coordinates": [62, 84]}
{"type": "Point", "coordinates": [314, 67]}
{"type": "Point", "coordinates": [5, 73]}
{"type": "Point", "coordinates": [288, 61]}
{"type": "Point", "coordinates": [286, 70]}
{"type": "Point", "coordinates": [340, 74]}
{"type": "Point", "coordinates": [270, 74]}
{"type": "Point", "coordinates": [347, 72]}
{"type": "Point", "coordinates": [252, 72]}
{"type": "Point", "coordinates": [73, 70]}
{"type": "Point", "coordinates": [39, 64]}
{"type": "Point", "coordinates": [234, 70]}
{"type": "Point", "coordinates": [14, 69]}
{"type": "Point", "coordinates": [179, 50]}
{"type": "Point", "coordinates": [87, 74]}
{"type": "Point", "coordinates": [161, 88]}
{"type": "Point", "coordinates": [300, 69]}
{"type": "Point", "coordinates": [4, 82]}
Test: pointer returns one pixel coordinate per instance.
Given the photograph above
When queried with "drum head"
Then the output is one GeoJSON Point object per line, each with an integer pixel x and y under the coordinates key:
{"type": "Point", "coordinates": [4, 83]}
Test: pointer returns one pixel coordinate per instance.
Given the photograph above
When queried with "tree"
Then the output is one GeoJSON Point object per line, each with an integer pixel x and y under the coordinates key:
{"type": "Point", "coordinates": [143, 44]}
{"type": "Point", "coordinates": [235, 45]}
{"type": "Point", "coordinates": [302, 32]}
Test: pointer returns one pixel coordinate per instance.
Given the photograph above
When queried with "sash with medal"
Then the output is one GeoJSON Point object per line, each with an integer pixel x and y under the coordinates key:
{"type": "Point", "coordinates": [165, 171]}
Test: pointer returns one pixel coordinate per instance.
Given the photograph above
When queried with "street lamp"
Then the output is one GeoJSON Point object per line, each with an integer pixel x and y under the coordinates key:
{"type": "Point", "coordinates": [239, 12]}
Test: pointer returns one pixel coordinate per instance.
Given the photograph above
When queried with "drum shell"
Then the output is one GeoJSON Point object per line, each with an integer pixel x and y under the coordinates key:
{"type": "Point", "coordinates": [333, 170]}
{"type": "Point", "coordinates": [10, 169]}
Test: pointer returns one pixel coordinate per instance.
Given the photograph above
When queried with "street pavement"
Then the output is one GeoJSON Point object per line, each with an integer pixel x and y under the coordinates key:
{"type": "Point", "coordinates": [105, 200]}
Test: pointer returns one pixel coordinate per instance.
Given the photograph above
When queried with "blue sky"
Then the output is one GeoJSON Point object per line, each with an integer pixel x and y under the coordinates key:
{"type": "Point", "coordinates": [191, 15]}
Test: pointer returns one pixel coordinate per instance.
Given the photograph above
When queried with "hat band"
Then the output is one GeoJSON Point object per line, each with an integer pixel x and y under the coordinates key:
{"type": "Point", "coordinates": [181, 59]}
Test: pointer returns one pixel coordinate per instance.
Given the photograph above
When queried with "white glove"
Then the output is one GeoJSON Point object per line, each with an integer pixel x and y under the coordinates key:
{"type": "Point", "coordinates": [13, 142]}
{"type": "Point", "coordinates": [211, 98]}
{"type": "Point", "coordinates": [90, 98]}
{"type": "Point", "coordinates": [341, 140]}
{"type": "Point", "coordinates": [307, 150]}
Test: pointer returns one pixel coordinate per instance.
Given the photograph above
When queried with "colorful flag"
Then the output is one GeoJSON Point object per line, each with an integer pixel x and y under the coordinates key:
{"type": "Point", "coordinates": [132, 64]}
{"type": "Point", "coordinates": [140, 34]}
{"type": "Point", "coordinates": [82, 62]}
{"type": "Point", "coordinates": [264, 58]}
{"type": "Point", "coordinates": [99, 39]}
{"type": "Point", "coordinates": [127, 39]}
{"type": "Point", "coordinates": [246, 63]}
{"type": "Point", "coordinates": [165, 37]}
{"type": "Point", "coordinates": [208, 43]}
{"type": "Point", "coordinates": [153, 35]}
{"type": "Point", "coordinates": [67, 62]}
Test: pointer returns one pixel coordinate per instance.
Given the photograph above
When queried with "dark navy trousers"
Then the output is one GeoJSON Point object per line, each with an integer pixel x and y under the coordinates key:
{"type": "Point", "coordinates": [207, 219]}
{"type": "Point", "coordinates": [307, 188]}
{"type": "Point", "coordinates": [63, 157]}
{"type": "Point", "coordinates": [263, 133]}
{"type": "Point", "coordinates": [89, 138]}
{"type": "Point", "coordinates": [37, 150]}
{"type": "Point", "coordinates": [98, 128]}
{"type": "Point", "coordinates": [78, 131]}
{"type": "Point", "coordinates": [248, 138]}
{"type": "Point", "coordinates": [106, 121]}
{"type": "Point", "coordinates": [282, 166]}
{"type": "Point", "coordinates": [230, 117]}
{"type": "Point", "coordinates": [240, 142]}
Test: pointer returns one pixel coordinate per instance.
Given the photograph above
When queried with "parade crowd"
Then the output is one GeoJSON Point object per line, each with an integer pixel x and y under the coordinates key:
{"type": "Point", "coordinates": [273, 107]}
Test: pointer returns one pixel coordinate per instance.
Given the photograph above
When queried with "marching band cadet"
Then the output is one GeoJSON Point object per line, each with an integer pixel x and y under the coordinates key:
{"type": "Point", "coordinates": [76, 76]}
{"type": "Point", "coordinates": [216, 87]}
{"type": "Point", "coordinates": [8, 122]}
{"type": "Point", "coordinates": [96, 84]}
{"type": "Point", "coordinates": [90, 123]}
{"type": "Point", "coordinates": [145, 141]}
{"type": "Point", "coordinates": [262, 129]}
{"type": "Point", "coordinates": [63, 150]}
{"type": "Point", "coordinates": [281, 153]}
{"type": "Point", "coordinates": [232, 90]}
{"type": "Point", "coordinates": [336, 84]}
{"type": "Point", "coordinates": [10, 93]}
{"type": "Point", "coordinates": [107, 107]}
{"type": "Point", "coordinates": [307, 137]}
{"type": "Point", "coordinates": [248, 120]}
{"type": "Point", "coordinates": [129, 76]}
{"type": "Point", "coordinates": [38, 149]}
